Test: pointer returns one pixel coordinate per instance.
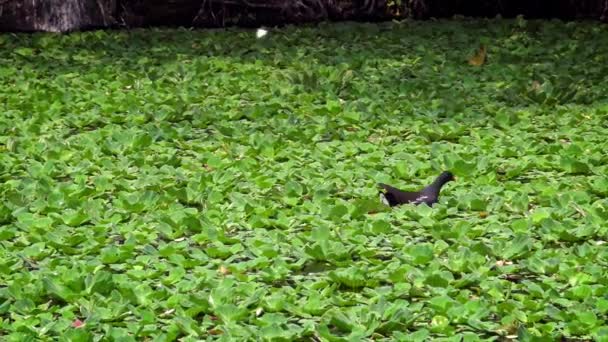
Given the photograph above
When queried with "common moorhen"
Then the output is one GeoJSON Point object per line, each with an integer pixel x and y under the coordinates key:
{"type": "Point", "coordinates": [429, 195]}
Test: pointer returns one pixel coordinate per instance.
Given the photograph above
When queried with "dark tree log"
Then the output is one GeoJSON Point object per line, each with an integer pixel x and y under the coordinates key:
{"type": "Point", "coordinates": [250, 13]}
{"type": "Point", "coordinates": [69, 15]}
{"type": "Point", "coordinates": [55, 15]}
{"type": "Point", "coordinates": [562, 9]}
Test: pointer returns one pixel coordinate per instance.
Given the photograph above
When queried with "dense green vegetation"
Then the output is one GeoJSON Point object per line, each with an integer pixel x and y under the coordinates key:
{"type": "Point", "coordinates": [175, 184]}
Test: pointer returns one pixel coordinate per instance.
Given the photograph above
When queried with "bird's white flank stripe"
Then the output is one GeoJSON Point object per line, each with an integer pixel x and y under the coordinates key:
{"type": "Point", "coordinates": [383, 199]}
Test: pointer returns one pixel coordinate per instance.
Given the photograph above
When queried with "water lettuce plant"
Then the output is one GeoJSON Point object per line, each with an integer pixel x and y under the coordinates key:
{"type": "Point", "coordinates": [161, 185]}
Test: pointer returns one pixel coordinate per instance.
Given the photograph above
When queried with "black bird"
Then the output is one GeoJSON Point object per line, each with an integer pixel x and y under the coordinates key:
{"type": "Point", "coordinates": [429, 195]}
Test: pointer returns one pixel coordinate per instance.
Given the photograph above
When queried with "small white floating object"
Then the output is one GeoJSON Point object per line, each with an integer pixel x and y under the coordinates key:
{"type": "Point", "coordinates": [261, 33]}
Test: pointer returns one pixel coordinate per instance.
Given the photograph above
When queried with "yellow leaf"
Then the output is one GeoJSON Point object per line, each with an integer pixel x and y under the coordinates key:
{"type": "Point", "coordinates": [224, 270]}
{"type": "Point", "coordinates": [479, 57]}
{"type": "Point", "coordinates": [536, 86]}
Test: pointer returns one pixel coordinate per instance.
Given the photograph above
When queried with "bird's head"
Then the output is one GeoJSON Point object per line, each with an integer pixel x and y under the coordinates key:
{"type": "Point", "coordinates": [446, 176]}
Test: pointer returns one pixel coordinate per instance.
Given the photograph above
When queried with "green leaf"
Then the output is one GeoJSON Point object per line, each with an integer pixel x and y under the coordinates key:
{"type": "Point", "coordinates": [574, 166]}
{"type": "Point", "coordinates": [24, 306]}
{"type": "Point", "coordinates": [439, 280]}
{"type": "Point", "coordinates": [602, 305]}
{"type": "Point", "coordinates": [540, 214]}
{"type": "Point", "coordinates": [100, 282]}
{"type": "Point", "coordinates": [381, 227]}
{"type": "Point", "coordinates": [421, 253]}
{"type": "Point", "coordinates": [76, 335]}
{"type": "Point", "coordinates": [440, 324]}
{"type": "Point", "coordinates": [518, 247]}
{"type": "Point", "coordinates": [338, 211]}
{"type": "Point", "coordinates": [351, 117]}
{"type": "Point", "coordinates": [25, 52]}
{"type": "Point", "coordinates": [75, 218]}
{"type": "Point", "coordinates": [293, 189]}
{"type": "Point", "coordinates": [57, 290]}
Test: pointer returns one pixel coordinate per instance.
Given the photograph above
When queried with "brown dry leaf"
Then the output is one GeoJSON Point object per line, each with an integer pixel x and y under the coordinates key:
{"type": "Point", "coordinates": [224, 270]}
{"type": "Point", "coordinates": [374, 138]}
{"type": "Point", "coordinates": [516, 278]}
{"type": "Point", "coordinates": [479, 58]}
{"type": "Point", "coordinates": [215, 332]}
{"type": "Point", "coordinates": [508, 330]}
{"type": "Point", "coordinates": [167, 313]}
{"type": "Point", "coordinates": [501, 263]}
{"type": "Point", "coordinates": [535, 86]}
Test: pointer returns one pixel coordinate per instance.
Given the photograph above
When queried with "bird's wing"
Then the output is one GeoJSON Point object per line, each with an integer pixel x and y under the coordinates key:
{"type": "Point", "coordinates": [395, 196]}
